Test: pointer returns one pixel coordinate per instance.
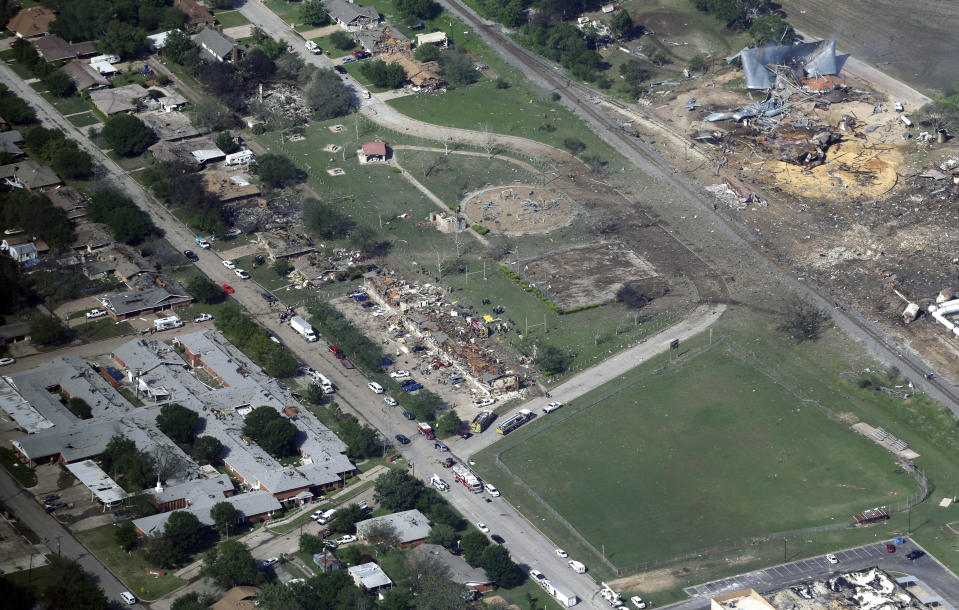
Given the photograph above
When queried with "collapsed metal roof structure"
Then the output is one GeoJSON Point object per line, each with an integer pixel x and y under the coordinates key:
{"type": "Point", "coordinates": [813, 58]}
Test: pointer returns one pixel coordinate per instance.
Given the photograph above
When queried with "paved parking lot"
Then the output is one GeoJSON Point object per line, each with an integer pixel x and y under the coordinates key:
{"type": "Point", "coordinates": [936, 578]}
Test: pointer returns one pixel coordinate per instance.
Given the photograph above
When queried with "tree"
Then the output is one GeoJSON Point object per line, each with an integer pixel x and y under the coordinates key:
{"type": "Point", "coordinates": [16, 110]}
{"type": "Point", "coordinates": [177, 422]}
{"type": "Point", "coordinates": [224, 517]}
{"type": "Point", "coordinates": [126, 536]}
{"type": "Point", "coordinates": [226, 143]}
{"type": "Point", "coordinates": [124, 40]}
{"type": "Point", "coordinates": [257, 66]}
{"type": "Point", "coordinates": [552, 360]}
{"type": "Point", "coordinates": [622, 25]}
{"type": "Point", "coordinates": [211, 114]}
{"type": "Point", "coordinates": [424, 404]}
{"type": "Point", "coordinates": [313, 394]}
{"type": "Point", "coordinates": [312, 12]}
{"type": "Point", "coordinates": [457, 68]}
{"type": "Point", "coordinates": [418, 9]}
{"type": "Point", "coordinates": [49, 331]}
{"type": "Point", "coordinates": [427, 52]}
{"type": "Point", "coordinates": [368, 240]}
{"type": "Point", "coordinates": [230, 564]}
{"type": "Point", "coordinates": [80, 408]}
{"type": "Point", "coordinates": [206, 449]}
{"type": "Point", "coordinates": [341, 40]}
{"type": "Point", "coordinates": [276, 170]}
{"type": "Point", "coordinates": [161, 552]}
{"type": "Point", "coordinates": [382, 74]}
{"type": "Point", "coordinates": [360, 440]}
{"type": "Point", "coordinates": [311, 544]}
{"type": "Point", "coordinates": [397, 490]}
{"type": "Point", "coordinates": [59, 84]}
{"type": "Point", "coordinates": [271, 431]}
{"type": "Point", "coordinates": [474, 543]}
{"type": "Point", "coordinates": [324, 220]}
{"type": "Point", "coordinates": [72, 588]}
{"type": "Point", "coordinates": [183, 529]}
{"type": "Point", "coordinates": [399, 598]}
{"type": "Point", "coordinates": [190, 601]}
{"type": "Point", "coordinates": [327, 95]}
{"type": "Point", "coordinates": [443, 535]}
{"type": "Point", "coordinates": [127, 135]}
{"type": "Point", "coordinates": [382, 537]}
{"type": "Point", "coordinates": [573, 145]}
{"type": "Point", "coordinates": [500, 567]}
{"type": "Point", "coordinates": [204, 290]}
{"type": "Point", "coordinates": [346, 517]}
{"type": "Point", "coordinates": [130, 225]}
{"type": "Point", "coordinates": [449, 424]}
{"type": "Point", "coordinates": [804, 321]}
{"type": "Point", "coordinates": [697, 63]}
{"type": "Point", "coordinates": [771, 29]}
{"type": "Point", "coordinates": [70, 162]}
{"type": "Point", "coordinates": [281, 267]}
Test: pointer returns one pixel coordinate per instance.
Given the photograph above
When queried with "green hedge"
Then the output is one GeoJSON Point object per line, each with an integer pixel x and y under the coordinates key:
{"type": "Point", "coordinates": [527, 287]}
{"type": "Point", "coordinates": [481, 229]}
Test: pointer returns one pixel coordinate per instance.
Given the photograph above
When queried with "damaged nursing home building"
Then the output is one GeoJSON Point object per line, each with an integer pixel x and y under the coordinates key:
{"type": "Point", "coordinates": [456, 336]}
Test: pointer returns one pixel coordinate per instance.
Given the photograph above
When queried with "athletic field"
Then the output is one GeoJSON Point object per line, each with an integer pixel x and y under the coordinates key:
{"type": "Point", "coordinates": [707, 453]}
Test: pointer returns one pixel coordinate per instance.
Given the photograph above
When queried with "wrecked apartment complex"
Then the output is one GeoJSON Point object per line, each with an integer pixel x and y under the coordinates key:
{"type": "Point", "coordinates": [455, 335]}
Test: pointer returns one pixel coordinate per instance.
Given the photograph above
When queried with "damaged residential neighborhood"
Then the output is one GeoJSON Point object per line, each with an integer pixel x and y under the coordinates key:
{"type": "Point", "coordinates": [505, 304]}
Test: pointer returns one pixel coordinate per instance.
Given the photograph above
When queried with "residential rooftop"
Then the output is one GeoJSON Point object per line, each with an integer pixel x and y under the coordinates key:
{"type": "Point", "coordinates": [409, 525]}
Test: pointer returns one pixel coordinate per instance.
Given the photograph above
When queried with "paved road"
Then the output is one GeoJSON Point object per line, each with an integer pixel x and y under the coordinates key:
{"type": "Point", "coordinates": [926, 569]}
{"type": "Point", "coordinates": [56, 537]}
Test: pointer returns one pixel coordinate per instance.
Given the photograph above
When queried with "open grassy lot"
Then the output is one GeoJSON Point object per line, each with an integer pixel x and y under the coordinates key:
{"type": "Point", "coordinates": [451, 176]}
{"type": "Point", "coordinates": [130, 568]}
{"type": "Point", "coordinates": [286, 10]}
{"type": "Point", "coordinates": [230, 19]}
{"type": "Point", "coordinates": [331, 51]}
{"type": "Point", "coordinates": [680, 459]}
{"type": "Point", "coordinates": [104, 328]}
{"type": "Point", "coordinates": [17, 469]}
{"type": "Point", "coordinates": [84, 119]}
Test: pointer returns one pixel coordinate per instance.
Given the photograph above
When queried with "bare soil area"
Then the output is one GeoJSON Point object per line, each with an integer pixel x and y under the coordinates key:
{"type": "Point", "coordinates": [518, 209]}
{"type": "Point", "coordinates": [588, 274]}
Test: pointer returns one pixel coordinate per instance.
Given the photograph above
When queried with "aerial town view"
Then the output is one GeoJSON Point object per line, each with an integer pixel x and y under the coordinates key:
{"type": "Point", "coordinates": [479, 304]}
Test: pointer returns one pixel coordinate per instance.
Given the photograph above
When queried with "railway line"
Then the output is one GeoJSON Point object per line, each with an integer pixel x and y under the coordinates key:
{"type": "Point", "coordinates": [582, 97]}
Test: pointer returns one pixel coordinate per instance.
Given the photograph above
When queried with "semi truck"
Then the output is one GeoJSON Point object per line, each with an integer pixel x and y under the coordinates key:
{"type": "Point", "coordinates": [304, 328]}
{"type": "Point", "coordinates": [467, 478]}
{"type": "Point", "coordinates": [482, 421]}
{"type": "Point", "coordinates": [515, 422]}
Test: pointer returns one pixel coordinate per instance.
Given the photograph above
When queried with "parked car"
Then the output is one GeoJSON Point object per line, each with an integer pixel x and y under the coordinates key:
{"type": "Point", "coordinates": [482, 527]}
{"type": "Point", "coordinates": [412, 387]}
{"type": "Point", "coordinates": [491, 490]}
{"type": "Point", "coordinates": [552, 407]}
{"type": "Point", "coordinates": [914, 555]}
{"type": "Point", "coordinates": [345, 539]}
{"type": "Point", "coordinates": [457, 379]}
{"type": "Point", "coordinates": [324, 533]}
{"type": "Point", "coordinates": [485, 402]}
{"type": "Point", "coordinates": [419, 348]}
{"type": "Point", "coordinates": [389, 400]}
{"type": "Point", "coordinates": [330, 544]}
{"type": "Point", "coordinates": [399, 374]}
{"type": "Point", "coordinates": [497, 539]}
{"type": "Point", "coordinates": [128, 598]}
{"type": "Point", "coordinates": [275, 340]}
{"type": "Point", "coordinates": [6, 361]}
{"type": "Point", "coordinates": [638, 601]}
{"type": "Point", "coordinates": [228, 289]}
{"type": "Point", "coordinates": [240, 273]}
{"type": "Point", "coordinates": [52, 506]}
{"type": "Point", "coordinates": [537, 576]}
{"type": "Point", "coordinates": [340, 69]}
{"type": "Point", "coordinates": [269, 563]}
{"type": "Point", "coordinates": [203, 317]}
{"type": "Point", "coordinates": [337, 352]}
{"type": "Point", "coordinates": [229, 265]}
{"type": "Point", "coordinates": [890, 547]}
{"type": "Point", "coordinates": [406, 382]}
{"type": "Point", "coordinates": [348, 60]}
{"type": "Point", "coordinates": [440, 446]}
{"type": "Point", "coordinates": [562, 553]}
{"type": "Point", "coordinates": [95, 313]}
{"type": "Point", "coordinates": [401, 438]}
{"type": "Point", "coordinates": [375, 387]}
{"type": "Point", "coordinates": [51, 497]}
{"type": "Point", "coordinates": [465, 434]}
{"type": "Point", "coordinates": [831, 558]}
{"type": "Point", "coordinates": [306, 370]}
{"type": "Point", "coordinates": [202, 243]}
{"type": "Point", "coordinates": [191, 255]}
{"type": "Point", "coordinates": [409, 415]}
{"type": "Point", "coordinates": [269, 298]}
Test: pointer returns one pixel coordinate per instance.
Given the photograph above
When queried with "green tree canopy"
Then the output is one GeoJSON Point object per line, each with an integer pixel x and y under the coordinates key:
{"type": "Point", "coordinates": [276, 170]}
{"type": "Point", "coordinates": [327, 95]}
{"type": "Point", "coordinates": [124, 40]}
{"type": "Point", "coordinates": [622, 25]}
{"type": "Point", "coordinates": [457, 68]}
{"type": "Point", "coordinates": [59, 84]}
{"type": "Point", "coordinates": [427, 52]}
{"type": "Point", "coordinates": [553, 360]}
{"type": "Point", "coordinates": [184, 530]}
{"type": "Point", "coordinates": [342, 41]}
{"type": "Point", "coordinates": [177, 422]}
{"type": "Point", "coordinates": [127, 135]}
{"type": "Point", "coordinates": [474, 543]}
{"type": "Point", "coordinates": [49, 331]}
{"type": "Point", "coordinates": [126, 536]}
{"type": "Point", "coordinates": [443, 535]}
{"type": "Point", "coordinates": [500, 567]}
{"type": "Point", "coordinates": [311, 12]}
{"type": "Point", "coordinates": [225, 516]}
{"type": "Point", "coordinates": [382, 74]}
{"type": "Point", "coordinates": [449, 424]}
{"type": "Point", "coordinates": [771, 29]}
{"type": "Point", "coordinates": [418, 9]}
{"type": "Point", "coordinates": [397, 490]}
{"type": "Point", "coordinates": [72, 588]}
{"type": "Point", "coordinates": [271, 431]}
{"type": "Point", "coordinates": [230, 564]}
{"type": "Point", "coordinates": [206, 449]}
{"type": "Point", "coordinates": [204, 290]}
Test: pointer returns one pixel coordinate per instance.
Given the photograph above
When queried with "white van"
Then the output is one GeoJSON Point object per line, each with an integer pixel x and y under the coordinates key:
{"type": "Point", "coordinates": [326, 517]}
{"type": "Point", "coordinates": [491, 490]}
{"type": "Point", "coordinates": [377, 388]}
{"type": "Point", "coordinates": [128, 597]}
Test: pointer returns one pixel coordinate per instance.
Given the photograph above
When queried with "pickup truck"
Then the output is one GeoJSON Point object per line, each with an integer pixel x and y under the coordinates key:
{"type": "Point", "coordinates": [202, 243]}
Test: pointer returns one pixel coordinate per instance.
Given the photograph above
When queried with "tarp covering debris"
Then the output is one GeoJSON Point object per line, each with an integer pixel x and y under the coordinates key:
{"type": "Point", "coordinates": [813, 58]}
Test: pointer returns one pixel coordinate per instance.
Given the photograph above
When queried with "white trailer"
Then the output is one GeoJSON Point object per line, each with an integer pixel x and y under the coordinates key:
{"type": "Point", "coordinates": [304, 328]}
{"type": "Point", "coordinates": [561, 593]}
{"type": "Point", "coordinates": [243, 157]}
{"type": "Point", "coordinates": [167, 323]}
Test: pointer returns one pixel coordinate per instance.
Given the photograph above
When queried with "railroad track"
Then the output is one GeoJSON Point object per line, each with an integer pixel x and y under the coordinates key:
{"type": "Point", "coordinates": [577, 92]}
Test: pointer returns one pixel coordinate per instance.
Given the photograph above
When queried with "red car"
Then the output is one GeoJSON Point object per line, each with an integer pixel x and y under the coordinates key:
{"type": "Point", "coordinates": [890, 548]}
{"type": "Point", "coordinates": [228, 289]}
{"type": "Point", "coordinates": [337, 352]}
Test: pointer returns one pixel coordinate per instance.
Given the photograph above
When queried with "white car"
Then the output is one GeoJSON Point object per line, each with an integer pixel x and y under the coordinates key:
{"type": "Point", "coordinates": [482, 527]}
{"type": "Point", "coordinates": [486, 402]}
{"type": "Point", "coordinates": [831, 558]}
{"type": "Point", "coordinates": [317, 514]}
{"type": "Point", "coordinates": [562, 553]}
{"type": "Point", "coordinates": [552, 407]}
{"type": "Point", "coordinates": [537, 575]}
{"type": "Point", "coordinates": [95, 313]}
{"type": "Point", "coordinates": [378, 312]}
{"type": "Point", "coordinates": [6, 361]}
{"type": "Point", "coordinates": [243, 275]}
{"type": "Point", "coordinates": [638, 601]}
{"type": "Point", "coordinates": [399, 374]}
{"type": "Point", "coordinates": [390, 401]}
{"type": "Point", "coordinates": [491, 490]}
{"type": "Point", "coordinates": [345, 539]}
{"type": "Point", "coordinates": [203, 317]}
{"type": "Point", "coordinates": [202, 243]}
{"type": "Point", "coordinates": [296, 581]}
{"type": "Point", "coordinates": [229, 265]}
{"type": "Point", "coordinates": [377, 388]}
{"type": "Point", "coordinates": [275, 340]}
{"type": "Point", "coordinates": [272, 561]}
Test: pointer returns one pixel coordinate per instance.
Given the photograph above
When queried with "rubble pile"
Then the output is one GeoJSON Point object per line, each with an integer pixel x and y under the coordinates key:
{"type": "Point", "coordinates": [870, 589]}
{"type": "Point", "coordinates": [281, 99]}
{"type": "Point", "coordinates": [805, 146]}
{"type": "Point", "coordinates": [273, 214]}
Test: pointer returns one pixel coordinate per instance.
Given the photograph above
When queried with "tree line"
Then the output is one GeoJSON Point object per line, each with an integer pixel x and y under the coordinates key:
{"type": "Point", "coordinates": [255, 342]}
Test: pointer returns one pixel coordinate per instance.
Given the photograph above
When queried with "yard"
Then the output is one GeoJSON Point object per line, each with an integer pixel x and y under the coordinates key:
{"type": "Point", "coordinates": [285, 9]}
{"type": "Point", "coordinates": [130, 568]}
{"type": "Point", "coordinates": [17, 469]}
{"type": "Point", "coordinates": [104, 328]}
{"type": "Point", "coordinates": [680, 456]}
{"type": "Point", "coordinates": [230, 19]}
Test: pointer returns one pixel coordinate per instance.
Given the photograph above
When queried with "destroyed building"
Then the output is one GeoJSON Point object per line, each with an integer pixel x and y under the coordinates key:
{"type": "Point", "coordinates": [805, 59]}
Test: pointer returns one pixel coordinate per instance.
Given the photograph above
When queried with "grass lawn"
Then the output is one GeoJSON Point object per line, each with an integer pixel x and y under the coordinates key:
{"type": "Point", "coordinates": [331, 51]}
{"type": "Point", "coordinates": [262, 274]}
{"type": "Point", "coordinates": [84, 119]}
{"type": "Point", "coordinates": [517, 596]}
{"type": "Point", "coordinates": [104, 328]}
{"type": "Point", "coordinates": [130, 568]}
{"type": "Point", "coordinates": [285, 10]}
{"type": "Point", "coordinates": [231, 19]}
{"type": "Point", "coordinates": [21, 472]}
{"type": "Point", "coordinates": [706, 490]}
{"type": "Point", "coordinates": [452, 176]}
{"type": "Point", "coordinates": [129, 164]}
{"type": "Point", "coordinates": [67, 105]}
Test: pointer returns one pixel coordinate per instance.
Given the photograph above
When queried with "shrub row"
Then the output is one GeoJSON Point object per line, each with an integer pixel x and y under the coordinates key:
{"type": "Point", "coordinates": [526, 286]}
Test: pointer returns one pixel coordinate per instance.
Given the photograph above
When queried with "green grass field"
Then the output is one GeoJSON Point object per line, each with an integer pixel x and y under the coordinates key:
{"type": "Point", "coordinates": [284, 9]}
{"type": "Point", "coordinates": [130, 568]}
{"type": "Point", "coordinates": [331, 51]}
{"type": "Point", "coordinates": [84, 119]}
{"type": "Point", "coordinates": [24, 475]}
{"type": "Point", "coordinates": [101, 329]}
{"type": "Point", "coordinates": [230, 19]}
{"type": "Point", "coordinates": [707, 453]}
{"type": "Point", "coordinates": [452, 176]}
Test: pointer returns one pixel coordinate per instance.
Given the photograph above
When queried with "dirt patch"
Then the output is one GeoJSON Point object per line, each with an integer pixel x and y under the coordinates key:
{"type": "Point", "coordinates": [587, 274]}
{"type": "Point", "coordinates": [648, 582]}
{"type": "Point", "coordinates": [663, 24]}
{"type": "Point", "coordinates": [498, 599]}
{"type": "Point", "coordinates": [519, 209]}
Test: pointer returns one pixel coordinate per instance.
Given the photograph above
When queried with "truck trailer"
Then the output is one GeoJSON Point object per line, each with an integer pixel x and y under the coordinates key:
{"type": "Point", "coordinates": [467, 478]}
{"type": "Point", "coordinates": [304, 328]}
{"type": "Point", "coordinates": [515, 422]}
{"type": "Point", "coordinates": [561, 593]}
